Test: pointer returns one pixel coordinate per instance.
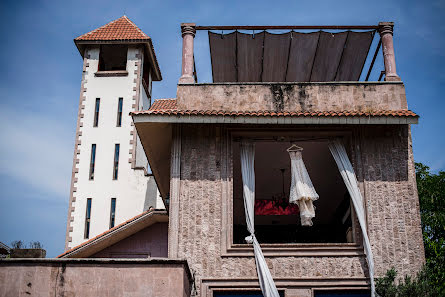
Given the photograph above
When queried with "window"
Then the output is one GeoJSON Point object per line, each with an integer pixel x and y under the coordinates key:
{"type": "Point", "coordinates": [119, 112]}
{"type": "Point", "coordinates": [113, 57]}
{"type": "Point", "coordinates": [88, 219]}
{"type": "Point", "coordinates": [277, 221]}
{"type": "Point", "coordinates": [112, 212]}
{"type": "Point", "coordinates": [116, 161]}
{"type": "Point", "coordinates": [96, 113]}
{"type": "Point", "coordinates": [93, 161]}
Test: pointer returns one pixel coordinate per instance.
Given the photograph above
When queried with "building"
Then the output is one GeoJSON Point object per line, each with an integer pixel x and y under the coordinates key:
{"type": "Point", "coordinates": [110, 177]}
{"type": "Point", "coordinates": [226, 159]}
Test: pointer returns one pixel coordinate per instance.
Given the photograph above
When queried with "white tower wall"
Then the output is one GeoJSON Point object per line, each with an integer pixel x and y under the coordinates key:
{"type": "Point", "coordinates": [134, 190]}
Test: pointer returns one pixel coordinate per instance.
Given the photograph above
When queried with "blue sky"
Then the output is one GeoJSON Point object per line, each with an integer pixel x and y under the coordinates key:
{"type": "Point", "coordinates": [40, 83]}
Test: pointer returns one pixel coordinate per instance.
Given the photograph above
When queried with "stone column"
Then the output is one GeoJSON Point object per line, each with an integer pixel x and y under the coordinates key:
{"type": "Point", "coordinates": [386, 32]}
{"type": "Point", "coordinates": [188, 31]}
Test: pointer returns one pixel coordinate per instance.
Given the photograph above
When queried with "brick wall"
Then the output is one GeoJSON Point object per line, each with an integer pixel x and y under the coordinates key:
{"type": "Point", "coordinates": [385, 167]}
{"type": "Point", "coordinates": [385, 170]}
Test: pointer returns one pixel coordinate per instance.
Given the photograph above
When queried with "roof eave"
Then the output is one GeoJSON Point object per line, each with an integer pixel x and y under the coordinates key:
{"type": "Point", "coordinates": [281, 120]}
{"type": "Point", "coordinates": [119, 233]}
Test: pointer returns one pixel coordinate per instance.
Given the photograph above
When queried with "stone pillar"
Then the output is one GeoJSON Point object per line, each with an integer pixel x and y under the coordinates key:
{"type": "Point", "coordinates": [386, 32]}
{"type": "Point", "coordinates": [188, 31]}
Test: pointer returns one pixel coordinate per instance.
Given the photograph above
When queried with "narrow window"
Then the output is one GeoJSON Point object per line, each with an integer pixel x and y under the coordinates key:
{"type": "Point", "coordinates": [88, 219]}
{"type": "Point", "coordinates": [96, 112]}
{"type": "Point", "coordinates": [116, 160]}
{"type": "Point", "coordinates": [93, 161]}
{"type": "Point", "coordinates": [112, 212]}
{"type": "Point", "coordinates": [119, 112]}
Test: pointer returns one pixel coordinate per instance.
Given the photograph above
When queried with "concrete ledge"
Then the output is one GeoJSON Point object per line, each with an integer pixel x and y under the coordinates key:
{"type": "Point", "coordinates": [95, 277]}
{"type": "Point", "coordinates": [292, 97]}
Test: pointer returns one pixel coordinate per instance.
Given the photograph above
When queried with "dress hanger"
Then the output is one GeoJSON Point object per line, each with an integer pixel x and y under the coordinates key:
{"type": "Point", "coordinates": [294, 148]}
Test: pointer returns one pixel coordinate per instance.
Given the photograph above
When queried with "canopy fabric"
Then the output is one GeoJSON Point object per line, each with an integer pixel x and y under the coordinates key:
{"type": "Point", "coordinates": [347, 172]}
{"type": "Point", "coordinates": [289, 57]}
{"type": "Point", "coordinates": [247, 154]}
{"type": "Point", "coordinates": [302, 191]}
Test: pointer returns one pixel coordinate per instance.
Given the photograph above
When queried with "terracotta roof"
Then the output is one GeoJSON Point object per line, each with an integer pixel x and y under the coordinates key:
{"type": "Point", "coordinates": [169, 107]}
{"type": "Point", "coordinates": [120, 226]}
{"type": "Point", "coordinates": [120, 29]}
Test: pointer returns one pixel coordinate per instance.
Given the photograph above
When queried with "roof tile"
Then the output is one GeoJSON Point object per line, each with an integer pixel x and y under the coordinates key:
{"type": "Point", "coordinates": [169, 107]}
{"type": "Point", "coordinates": [120, 29]}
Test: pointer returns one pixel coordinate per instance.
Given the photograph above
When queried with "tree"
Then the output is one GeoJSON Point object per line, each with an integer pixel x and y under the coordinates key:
{"type": "Point", "coordinates": [431, 188]}
{"type": "Point", "coordinates": [430, 281]}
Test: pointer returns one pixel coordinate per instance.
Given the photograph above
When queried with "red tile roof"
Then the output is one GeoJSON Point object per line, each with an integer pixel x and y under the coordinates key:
{"type": "Point", "coordinates": [120, 29]}
{"type": "Point", "coordinates": [108, 231]}
{"type": "Point", "coordinates": [123, 30]}
{"type": "Point", "coordinates": [169, 107]}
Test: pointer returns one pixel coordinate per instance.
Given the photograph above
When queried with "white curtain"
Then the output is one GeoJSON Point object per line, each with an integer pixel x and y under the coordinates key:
{"type": "Point", "coordinates": [302, 192]}
{"type": "Point", "coordinates": [347, 172]}
{"type": "Point", "coordinates": [248, 173]}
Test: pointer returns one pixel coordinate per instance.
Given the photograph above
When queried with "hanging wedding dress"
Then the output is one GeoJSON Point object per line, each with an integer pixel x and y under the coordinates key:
{"type": "Point", "coordinates": [302, 192]}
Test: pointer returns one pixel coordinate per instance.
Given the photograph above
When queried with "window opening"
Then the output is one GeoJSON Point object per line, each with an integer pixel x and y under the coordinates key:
{"type": "Point", "coordinates": [92, 161]}
{"type": "Point", "coordinates": [119, 112]}
{"type": "Point", "coordinates": [88, 219]}
{"type": "Point", "coordinates": [96, 113]}
{"type": "Point", "coordinates": [112, 212]}
{"type": "Point", "coordinates": [113, 57]}
{"type": "Point", "coordinates": [116, 161]}
{"type": "Point", "coordinates": [277, 220]}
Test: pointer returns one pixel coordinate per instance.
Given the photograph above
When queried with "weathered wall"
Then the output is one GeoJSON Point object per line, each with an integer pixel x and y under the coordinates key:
{"type": "Point", "coordinates": [362, 96]}
{"type": "Point", "coordinates": [384, 165]}
{"type": "Point", "coordinates": [94, 278]}
{"type": "Point", "coordinates": [385, 169]}
{"type": "Point", "coordinates": [149, 242]}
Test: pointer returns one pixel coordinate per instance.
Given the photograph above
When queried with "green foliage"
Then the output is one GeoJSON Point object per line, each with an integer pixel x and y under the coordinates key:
{"type": "Point", "coordinates": [430, 281]}
{"type": "Point", "coordinates": [420, 286]}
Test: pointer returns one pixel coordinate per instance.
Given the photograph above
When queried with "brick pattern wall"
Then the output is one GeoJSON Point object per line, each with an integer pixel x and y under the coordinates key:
{"type": "Point", "coordinates": [200, 220]}
{"type": "Point", "coordinates": [383, 160]}
{"type": "Point", "coordinates": [385, 168]}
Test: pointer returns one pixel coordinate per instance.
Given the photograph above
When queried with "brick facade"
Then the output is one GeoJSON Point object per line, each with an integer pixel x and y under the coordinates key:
{"type": "Point", "coordinates": [382, 158]}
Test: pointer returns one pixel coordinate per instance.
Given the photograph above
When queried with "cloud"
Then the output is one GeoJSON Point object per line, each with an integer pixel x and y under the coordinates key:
{"type": "Point", "coordinates": [37, 150]}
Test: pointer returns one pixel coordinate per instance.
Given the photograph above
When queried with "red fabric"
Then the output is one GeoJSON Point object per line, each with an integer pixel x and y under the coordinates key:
{"type": "Point", "coordinates": [276, 208]}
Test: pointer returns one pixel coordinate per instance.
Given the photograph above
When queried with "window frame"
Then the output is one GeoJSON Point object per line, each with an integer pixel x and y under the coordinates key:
{"type": "Point", "coordinates": [88, 218]}
{"type": "Point", "coordinates": [120, 107]}
{"type": "Point", "coordinates": [112, 212]}
{"type": "Point", "coordinates": [116, 161]}
{"type": "Point", "coordinates": [96, 113]}
{"type": "Point", "coordinates": [92, 161]}
{"type": "Point", "coordinates": [230, 249]}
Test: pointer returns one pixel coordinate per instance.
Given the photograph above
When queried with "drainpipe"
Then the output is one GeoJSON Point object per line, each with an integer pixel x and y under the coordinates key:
{"type": "Point", "coordinates": [386, 33]}
{"type": "Point", "coordinates": [188, 31]}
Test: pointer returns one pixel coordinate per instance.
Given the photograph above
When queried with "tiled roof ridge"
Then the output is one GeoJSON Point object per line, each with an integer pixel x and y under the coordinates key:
{"type": "Point", "coordinates": [108, 231]}
{"type": "Point", "coordinates": [134, 25]}
{"type": "Point", "coordinates": [111, 23]}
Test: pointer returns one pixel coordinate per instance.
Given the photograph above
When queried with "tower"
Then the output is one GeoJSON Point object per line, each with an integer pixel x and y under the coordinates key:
{"type": "Point", "coordinates": [110, 176]}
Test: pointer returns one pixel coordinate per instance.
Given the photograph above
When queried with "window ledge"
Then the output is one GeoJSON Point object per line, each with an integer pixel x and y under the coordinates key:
{"type": "Point", "coordinates": [111, 73]}
{"type": "Point", "coordinates": [297, 249]}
